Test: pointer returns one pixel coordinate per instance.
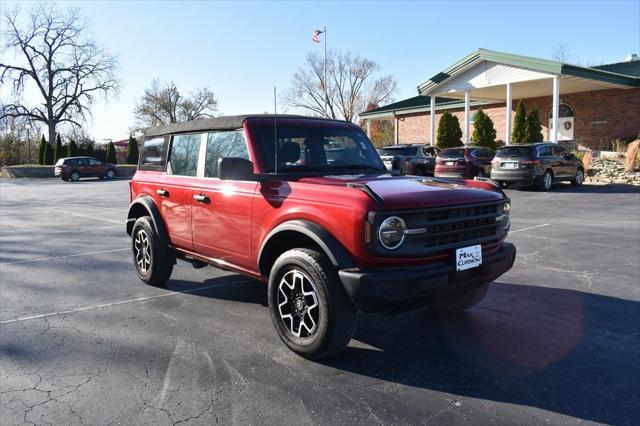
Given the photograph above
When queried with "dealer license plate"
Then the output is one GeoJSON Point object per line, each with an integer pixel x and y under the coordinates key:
{"type": "Point", "coordinates": [510, 165]}
{"type": "Point", "coordinates": [468, 257]}
{"type": "Point", "coordinates": [449, 163]}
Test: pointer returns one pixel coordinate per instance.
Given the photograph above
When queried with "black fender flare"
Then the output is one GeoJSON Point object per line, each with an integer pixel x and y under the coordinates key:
{"type": "Point", "coordinates": [334, 250]}
{"type": "Point", "coordinates": [149, 205]}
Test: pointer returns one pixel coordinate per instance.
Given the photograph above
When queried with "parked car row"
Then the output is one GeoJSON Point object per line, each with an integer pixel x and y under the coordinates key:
{"type": "Point", "coordinates": [539, 164]}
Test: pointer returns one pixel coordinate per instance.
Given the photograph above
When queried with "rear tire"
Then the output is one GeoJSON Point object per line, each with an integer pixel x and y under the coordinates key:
{"type": "Point", "coordinates": [457, 301]}
{"type": "Point", "coordinates": [111, 174]}
{"type": "Point", "coordinates": [579, 178]}
{"type": "Point", "coordinates": [310, 309]}
{"type": "Point", "coordinates": [546, 181]}
{"type": "Point", "coordinates": [153, 260]}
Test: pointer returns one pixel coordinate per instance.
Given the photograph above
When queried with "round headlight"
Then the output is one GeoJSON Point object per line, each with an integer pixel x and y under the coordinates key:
{"type": "Point", "coordinates": [391, 232]}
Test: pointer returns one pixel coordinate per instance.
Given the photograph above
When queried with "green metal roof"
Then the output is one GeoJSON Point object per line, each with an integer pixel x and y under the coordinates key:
{"type": "Point", "coordinates": [616, 75]}
{"type": "Point", "coordinates": [626, 68]}
{"type": "Point", "coordinates": [417, 103]}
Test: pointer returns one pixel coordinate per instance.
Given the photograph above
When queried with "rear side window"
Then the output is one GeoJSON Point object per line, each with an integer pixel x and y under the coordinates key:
{"type": "Point", "coordinates": [82, 161]}
{"type": "Point", "coordinates": [410, 150]}
{"type": "Point", "coordinates": [183, 157]}
{"type": "Point", "coordinates": [452, 153]}
{"type": "Point", "coordinates": [152, 155]}
{"type": "Point", "coordinates": [223, 144]}
{"type": "Point", "coordinates": [544, 151]}
{"type": "Point", "coordinates": [514, 151]}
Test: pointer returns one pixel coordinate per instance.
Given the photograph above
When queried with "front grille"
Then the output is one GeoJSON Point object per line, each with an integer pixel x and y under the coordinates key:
{"type": "Point", "coordinates": [451, 227]}
{"type": "Point", "coordinates": [446, 228]}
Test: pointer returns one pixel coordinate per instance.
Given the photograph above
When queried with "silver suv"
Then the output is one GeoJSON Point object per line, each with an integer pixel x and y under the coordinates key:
{"type": "Point", "coordinates": [420, 159]}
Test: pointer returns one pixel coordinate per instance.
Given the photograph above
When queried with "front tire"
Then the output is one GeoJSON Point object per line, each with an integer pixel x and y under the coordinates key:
{"type": "Point", "coordinates": [459, 300]}
{"type": "Point", "coordinates": [310, 309]}
{"type": "Point", "coordinates": [153, 260]}
{"type": "Point", "coordinates": [75, 176]}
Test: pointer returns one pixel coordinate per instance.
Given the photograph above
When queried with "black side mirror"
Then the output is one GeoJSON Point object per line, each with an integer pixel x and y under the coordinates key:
{"type": "Point", "coordinates": [398, 165]}
{"type": "Point", "coordinates": [233, 168]}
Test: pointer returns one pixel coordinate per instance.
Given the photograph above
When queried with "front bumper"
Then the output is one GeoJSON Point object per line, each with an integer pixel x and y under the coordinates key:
{"type": "Point", "coordinates": [397, 289]}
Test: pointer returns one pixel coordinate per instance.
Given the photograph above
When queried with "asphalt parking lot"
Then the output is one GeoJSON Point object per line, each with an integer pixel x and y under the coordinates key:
{"type": "Point", "coordinates": [82, 340]}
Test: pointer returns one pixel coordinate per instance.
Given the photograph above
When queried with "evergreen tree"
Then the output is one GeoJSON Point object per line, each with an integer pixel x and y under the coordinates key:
{"type": "Point", "coordinates": [484, 134]}
{"type": "Point", "coordinates": [72, 149]}
{"type": "Point", "coordinates": [132, 151]}
{"type": "Point", "coordinates": [519, 133]}
{"type": "Point", "coordinates": [41, 150]}
{"type": "Point", "coordinates": [58, 153]}
{"type": "Point", "coordinates": [89, 152]}
{"type": "Point", "coordinates": [533, 128]}
{"type": "Point", "coordinates": [48, 155]}
{"type": "Point", "coordinates": [111, 153]}
{"type": "Point", "coordinates": [449, 134]}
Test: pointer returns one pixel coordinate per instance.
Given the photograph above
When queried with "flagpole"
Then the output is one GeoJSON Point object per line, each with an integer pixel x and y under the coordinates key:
{"type": "Point", "coordinates": [326, 94]}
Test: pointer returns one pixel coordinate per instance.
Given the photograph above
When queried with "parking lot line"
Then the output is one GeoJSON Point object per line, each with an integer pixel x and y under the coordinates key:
{"type": "Point", "coordinates": [120, 222]}
{"type": "Point", "coordinates": [117, 303]}
{"type": "Point", "coordinates": [64, 257]}
{"type": "Point", "coordinates": [528, 228]}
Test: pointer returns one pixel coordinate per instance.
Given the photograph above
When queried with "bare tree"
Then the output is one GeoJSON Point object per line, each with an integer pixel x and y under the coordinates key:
{"type": "Point", "coordinates": [351, 85]}
{"type": "Point", "coordinates": [561, 53]}
{"type": "Point", "coordinates": [163, 104]}
{"type": "Point", "coordinates": [55, 54]}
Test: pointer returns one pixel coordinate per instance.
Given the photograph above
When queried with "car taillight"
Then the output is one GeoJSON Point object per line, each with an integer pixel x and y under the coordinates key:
{"type": "Point", "coordinates": [530, 162]}
{"type": "Point", "coordinates": [495, 162]}
{"type": "Point", "coordinates": [439, 161]}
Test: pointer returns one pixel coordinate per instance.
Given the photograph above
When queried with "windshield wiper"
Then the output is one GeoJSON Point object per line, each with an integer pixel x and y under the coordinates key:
{"type": "Point", "coordinates": [357, 167]}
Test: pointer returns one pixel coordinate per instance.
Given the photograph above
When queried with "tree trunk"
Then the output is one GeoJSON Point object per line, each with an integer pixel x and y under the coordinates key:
{"type": "Point", "coordinates": [52, 133]}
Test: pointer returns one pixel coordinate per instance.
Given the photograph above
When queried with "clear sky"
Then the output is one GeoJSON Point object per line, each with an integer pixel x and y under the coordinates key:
{"type": "Point", "coordinates": [242, 49]}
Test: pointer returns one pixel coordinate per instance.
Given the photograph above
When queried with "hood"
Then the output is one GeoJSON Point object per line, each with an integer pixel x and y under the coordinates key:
{"type": "Point", "coordinates": [411, 192]}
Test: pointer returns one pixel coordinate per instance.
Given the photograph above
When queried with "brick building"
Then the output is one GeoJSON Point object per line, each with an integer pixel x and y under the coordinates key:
{"type": "Point", "coordinates": [590, 105]}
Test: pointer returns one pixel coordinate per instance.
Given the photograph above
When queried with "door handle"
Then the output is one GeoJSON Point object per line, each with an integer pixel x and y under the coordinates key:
{"type": "Point", "coordinates": [162, 192]}
{"type": "Point", "coordinates": [202, 198]}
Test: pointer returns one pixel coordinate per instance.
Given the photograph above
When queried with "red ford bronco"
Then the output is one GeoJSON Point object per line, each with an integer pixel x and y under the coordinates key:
{"type": "Point", "coordinates": [307, 206]}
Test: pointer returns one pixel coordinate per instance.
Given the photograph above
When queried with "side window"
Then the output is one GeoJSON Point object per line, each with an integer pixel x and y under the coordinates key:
{"type": "Point", "coordinates": [544, 151]}
{"type": "Point", "coordinates": [95, 162]}
{"type": "Point", "coordinates": [82, 161]}
{"type": "Point", "coordinates": [558, 151]}
{"type": "Point", "coordinates": [183, 157]}
{"type": "Point", "coordinates": [152, 154]}
{"type": "Point", "coordinates": [223, 144]}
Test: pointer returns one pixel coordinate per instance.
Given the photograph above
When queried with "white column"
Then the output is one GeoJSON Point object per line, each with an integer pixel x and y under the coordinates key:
{"type": "Point", "coordinates": [556, 107]}
{"type": "Point", "coordinates": [396, 129]}
{"type": "Point", "coordinates": [433, 121]}
{"type": "Point", "coordinates": [466, 117]}
{"type": "Point", "coordinates": [507, 123]}
{"type": "Point", "coordinates": [369, 128]}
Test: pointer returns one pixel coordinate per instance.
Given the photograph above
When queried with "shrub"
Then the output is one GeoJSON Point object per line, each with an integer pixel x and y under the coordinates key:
{"type": "Point", "coordinates": [72, 149]}
{"type": "Point", "coordinates": [484, 134]}
{"type": "Point", "coordinates": [533, 128]}
{"type": "Point", "coordinates": [48, 155]}
{"type": "Point", "coordinates": [518, 135]}
{"type": "Point", "coordinates": [89, 152]}
{"type": "Point", "coordinates": [41, 150]}
{"type": "Point", "coordinates": [449, 133]}
{"type": "Point", "coordinates": [111, 154]}
{"type": "Point", "coordinates": [58, 153]}
{"type": "Point", "coordinates": [132, 151]}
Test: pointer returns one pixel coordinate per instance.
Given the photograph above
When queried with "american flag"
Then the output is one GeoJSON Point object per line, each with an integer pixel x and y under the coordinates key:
{"type": "Point", "coordinates": [316, 36]}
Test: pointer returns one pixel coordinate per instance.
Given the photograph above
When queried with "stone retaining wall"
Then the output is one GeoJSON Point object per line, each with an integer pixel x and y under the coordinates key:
{"type": "Point", "coordinates": [124, 171]}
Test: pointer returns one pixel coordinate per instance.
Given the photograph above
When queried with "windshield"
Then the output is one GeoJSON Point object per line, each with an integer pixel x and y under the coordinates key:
{"type": "Point", "coordinates": [411, 150]}
{"type": "Point", "coordinates": [514, 151]}
{"type": "Point", "coordinates": [452, 153]}
{"type": "Point", "coordinates": [322, 149]}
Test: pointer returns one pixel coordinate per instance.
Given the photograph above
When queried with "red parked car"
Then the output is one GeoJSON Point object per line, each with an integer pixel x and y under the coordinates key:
{"type": "Point", "coordinates": [307, 206]}
{"type": "Point", "coordinates": [464, 162]}
{"type": "Point", "coordinates": [74, 168]}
